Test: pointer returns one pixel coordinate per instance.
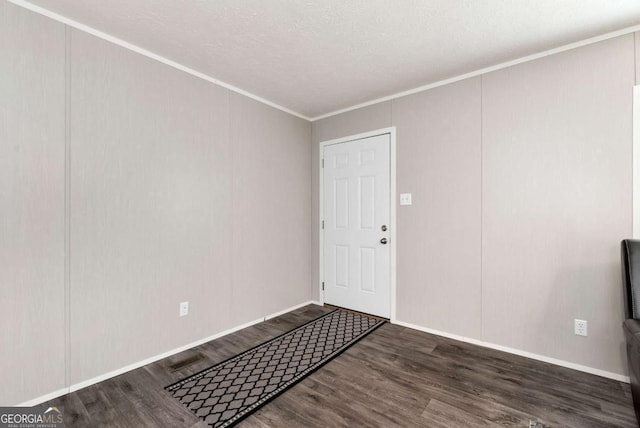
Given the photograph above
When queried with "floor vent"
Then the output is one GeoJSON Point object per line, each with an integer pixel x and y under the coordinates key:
{"type": "Point", "coordinates": [180, 364]}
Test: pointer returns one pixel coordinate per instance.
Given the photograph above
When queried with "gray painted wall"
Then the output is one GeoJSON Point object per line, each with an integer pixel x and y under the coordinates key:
{"type": "Point", "coordinates": [150, 207]}
{"type": "Point", "coordinates": [521, 183]}
{"type": "Point", "coordinates": [271, 210]}
{"type": "Point", "coordinates": [438, 254]}
{"type": "Point", "coordinates": [179, 191]}
{"type": "Point", "coordinates": [32, 205]}
{"type": "Point", "coordinates": [557, 188]}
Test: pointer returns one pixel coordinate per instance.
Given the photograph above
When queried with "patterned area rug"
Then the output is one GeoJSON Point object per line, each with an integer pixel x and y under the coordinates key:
{"type": "Point", "coordinates": [224, 394]}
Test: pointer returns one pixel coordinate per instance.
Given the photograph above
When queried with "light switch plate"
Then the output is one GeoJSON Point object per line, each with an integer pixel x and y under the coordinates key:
{"type": "Point", "coordinates": [184, 309]}
{"type": "Point", "coordinates": [405, 198]}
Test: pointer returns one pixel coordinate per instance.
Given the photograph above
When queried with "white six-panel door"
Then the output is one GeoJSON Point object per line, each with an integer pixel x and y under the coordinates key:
{"type": "Point", "coordinates": [356, 214]}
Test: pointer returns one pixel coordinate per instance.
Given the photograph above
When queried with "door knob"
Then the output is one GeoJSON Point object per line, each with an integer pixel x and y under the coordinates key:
{"type": "Point", "coordinates": [383, 241]}
{"type": "Point", "coordinates": [384, 227]}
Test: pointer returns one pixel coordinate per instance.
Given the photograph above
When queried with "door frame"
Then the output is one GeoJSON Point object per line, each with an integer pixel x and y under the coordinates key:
{"type": "Point", "coordinates": [635, 211]}
{"type": "Point", "coordinates": [391, 131]}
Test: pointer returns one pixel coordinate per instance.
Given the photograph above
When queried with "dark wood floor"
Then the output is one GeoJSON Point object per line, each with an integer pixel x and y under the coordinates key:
{"type": "Point", "coordinates": [393, 377]}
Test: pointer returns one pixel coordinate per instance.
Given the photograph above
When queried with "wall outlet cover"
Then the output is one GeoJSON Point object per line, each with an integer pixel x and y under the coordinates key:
{"type": "Point", "coordinates": [580, 327]}
{"type": "Point", "coordinates": [184, 309]}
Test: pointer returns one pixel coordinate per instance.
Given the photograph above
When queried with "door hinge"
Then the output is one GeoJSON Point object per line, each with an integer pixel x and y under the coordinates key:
{"type": "Point", "coordinates": [323, 163]}
{"type": "Point", "coordinates": [323, 224]}
{"type": "Point", "coordinates": [323, 286]}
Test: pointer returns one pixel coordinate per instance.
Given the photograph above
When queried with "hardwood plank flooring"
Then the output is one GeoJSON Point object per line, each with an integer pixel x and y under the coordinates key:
{"type": "Point", "coordinates": [393, 377]}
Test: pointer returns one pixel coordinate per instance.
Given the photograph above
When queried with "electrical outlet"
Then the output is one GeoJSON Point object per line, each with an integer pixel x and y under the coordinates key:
{"type": "Point", "coordinates": [184, 309]}
{"type": "Point", "coordinates": [405, 198]}
{"type": "Point", "coordinates": [580, 327]}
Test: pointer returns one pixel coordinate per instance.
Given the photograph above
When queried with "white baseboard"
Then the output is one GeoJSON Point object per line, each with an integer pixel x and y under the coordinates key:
{"type": "Point", "coordinates": [44, 398]}
{"type": "Point", "coordinates": [114, 373]}
{"type": "Point", "coordinates": [136, 365]}
{"type": "Point", "coordinates": [561, 363]}
{"type": "Point", "coordinates": [117, 372]}
{"type": "Point", "coordinates": [293, 308]}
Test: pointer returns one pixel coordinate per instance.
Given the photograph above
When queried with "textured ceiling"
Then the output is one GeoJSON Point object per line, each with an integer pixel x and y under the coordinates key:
{"type": "Point", "coordinates": [315, 57]}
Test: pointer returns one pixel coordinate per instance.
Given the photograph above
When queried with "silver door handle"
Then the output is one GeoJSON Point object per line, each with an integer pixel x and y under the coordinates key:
{"type": "Point", "coordinates": [383, 241]}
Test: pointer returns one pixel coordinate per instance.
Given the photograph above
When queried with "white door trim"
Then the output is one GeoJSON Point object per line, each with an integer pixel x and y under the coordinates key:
{"type": "Point", "coordinates": [391, 131]}
{"type": "Point", "coordinates": [636, 163]}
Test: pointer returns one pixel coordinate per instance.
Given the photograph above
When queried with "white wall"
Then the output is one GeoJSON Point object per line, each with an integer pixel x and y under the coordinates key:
{"type": "Point", "coordinates": [521, 183]}
{"type": "Point", "coordinates": [637, 55]}
{"type": "Point", "coordinates": [179, 190]}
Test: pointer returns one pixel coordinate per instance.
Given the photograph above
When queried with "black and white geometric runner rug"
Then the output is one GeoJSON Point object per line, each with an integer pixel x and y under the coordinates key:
{"type": "Point", "coordinates": [224, 394]}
